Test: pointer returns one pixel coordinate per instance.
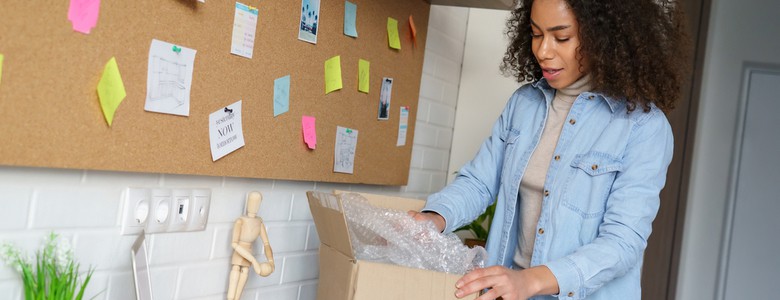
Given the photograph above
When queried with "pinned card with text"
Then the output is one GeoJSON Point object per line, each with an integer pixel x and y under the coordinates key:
{"type": "Point", "coordinates": [244, 28]}
{"type": "Point", "coordinates": [350, 19]}
{"type": "Point", "coordinates": [281, 95]}
{"type": "Point", "coordinates": [226, 133]}
{"type": "Point", "coordinates": [346, 144]}
{"type": "Point", "coordinates": [364, 75]}
{"type": "Point", "coordinates": [403, 125]}
{"type": "Point", "coordinates": [333, 74]}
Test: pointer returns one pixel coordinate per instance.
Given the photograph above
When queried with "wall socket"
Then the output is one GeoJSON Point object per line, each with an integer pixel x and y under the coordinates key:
{"type": "Point", "coordinates": [156, 210]}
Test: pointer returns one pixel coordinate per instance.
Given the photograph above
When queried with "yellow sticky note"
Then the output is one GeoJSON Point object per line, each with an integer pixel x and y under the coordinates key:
{"type": "Point", "coordinates": [333, 74]}
{"type": "Point", "coordinates": [392, 34]}
{"type": "Point", "coordinates": [363, 75]}
{"type": "Point", "coordinates": [1, 68]}
{"type": "Point", "coordinates": [111, 90]}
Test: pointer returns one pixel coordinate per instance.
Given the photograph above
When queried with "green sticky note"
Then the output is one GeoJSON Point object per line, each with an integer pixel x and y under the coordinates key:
{"type": "Point", "coordinates": [392, 34]}
{"type": "Point", "coordinates": [363, 75]}
{"type": "Point", "coordinates": [111, 90]}
{"type": "Point", "coordinates": [333, 74]}
{"type": "Point", "coordinates": [1, 68]}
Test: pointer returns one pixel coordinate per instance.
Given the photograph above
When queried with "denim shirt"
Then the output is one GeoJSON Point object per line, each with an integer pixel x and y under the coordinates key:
{"type": "Point", "coordinates": [601, 190]}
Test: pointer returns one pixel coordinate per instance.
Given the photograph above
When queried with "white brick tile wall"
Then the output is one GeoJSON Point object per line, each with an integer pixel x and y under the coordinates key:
{"type": "Point", "coordinates": [84, 206]}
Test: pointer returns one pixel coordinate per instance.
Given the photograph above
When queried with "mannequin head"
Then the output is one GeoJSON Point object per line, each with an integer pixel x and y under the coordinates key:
{"type": "Point", "coordinates": [253, 203]}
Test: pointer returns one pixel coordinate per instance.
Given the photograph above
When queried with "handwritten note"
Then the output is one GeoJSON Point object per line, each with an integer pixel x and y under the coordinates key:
{"type": "Point", "coordinates": [83, 14]}
{"type": "Point", "coordinates": [346, 144]}
{"type": "Point", "coordinates": [281, 95]}
{"type": "Point", "coordinates": [244, 27]}
{"type": "Point", "coordinates": [1, 68]}
{"type": "Point", "coordinates": [169, 78]}
{"type": "Point", "coordinates": [350, 19]}
{"type": "Point", "coordinates": [392, 34]}
{"type": "Point", "coordinates": [111, 90]}
{"type": "Point", "coordinates": [413, 29]}
{"type": "Point", "coordinates": [403, 124]}
{"type": "Point", "coordinates": [225, 131]}
{"type": "Point", "coordinates": [363, 75]}
{"type": "Point", "coordinates": [309, 131]}
{"type": "Point", "coordinates": [333, 74]}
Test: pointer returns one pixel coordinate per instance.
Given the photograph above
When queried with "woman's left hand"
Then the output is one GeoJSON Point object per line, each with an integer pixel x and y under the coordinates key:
{"type": "Point", "coordinates": [507, 284]}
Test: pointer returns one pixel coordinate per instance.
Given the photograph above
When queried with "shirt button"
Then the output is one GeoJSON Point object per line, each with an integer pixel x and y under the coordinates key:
{"type": "Point", "coordinates": [572, 121]}
{"type": "Point", "coordinates": [541, 231]}
{"type": "Point", "coordinates": [594, 167]}
{"type": "Point", "coordinates": [590, 97]}
{"type": "Point", "coordinates": [546, 193]}
{"type": "Point", "coordinates": [557, 157]}
{"type": "Point", "coordinates": [571, 294]}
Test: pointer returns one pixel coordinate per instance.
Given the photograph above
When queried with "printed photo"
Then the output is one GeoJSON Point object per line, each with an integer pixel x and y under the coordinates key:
{"type": "Point", "coordinates": [310, 16]}
{"type": "Point", "coordinates": [384, 98]}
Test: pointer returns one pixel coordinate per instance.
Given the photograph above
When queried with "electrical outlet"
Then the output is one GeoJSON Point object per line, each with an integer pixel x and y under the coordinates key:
{"type": "Point", "coordinates": [199, 209]}
{"type": "Point", "coordinates": [180, 210]}
{"type": "Point", "coordinates": [136, 210]}
{"type": "Point", "coordinates": [160, 211]}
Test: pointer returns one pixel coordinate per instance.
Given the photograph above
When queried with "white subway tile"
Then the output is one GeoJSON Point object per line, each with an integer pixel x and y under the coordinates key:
{"type": "Point", "coordinates": [308, 292]}
{"type": "Point", "coordinates": [121, 286]}
{"type": "Point", "coordinates": [203, 279]}
{"type": "Point", "coordinates": [277, 205]}
{"type": "Point", "coordinates": [282, 293]}
{"type": "Point", "coordinates": [300, 209]}
{"type": "Point", "coordinates": [417, 157]}
{"type": "Point", "coordinates": [15, 203]}
{"type": "Point", "coordinates": [95, 178]}
{"type": "Point", "coordinates": [32, 177]}
{"type": "Point", "coordinates": [419, 182]}
{"type": "Point", "coordinates": [444, 140]}
{"type": "Point", "coordinates": [449, 19]}
{"type": "Point", "coordinates": [226, 205]}
{"type": "Point", "coordinates": [257, 281]}
{"type": "Point", "coordinates": [286, 238]}
{"type": "Point", "coordinates": [313, 240]}
{"type": "Point", "coordinates": [223, 235]}
{"type": "Point", "coordinates": [163, 280]}
{"type": "Point", "coordinates": [431, 88]}
{"type": "Point", "coordinates": [104, 249]}
{"type": "Point", "coordinates": [423, 109]}
{"type": "Point", "coordinates": [442, 115]}
{"type": "Point", "coordinates": [425, 135]}
{"type": "Point", "coordinates": [434, 160]}
{"type": "Point", "coordinates": [76, 207]}
{"type": "Point", "coordinates": [190, 181]}
{"type": "Point", "coordinates": [249, 184]}
{"type": "Point", "coordinates": [429, 65]}
{"type": "Point", "coordinates": [332, 186]}
{"type": "Point", "coordinates": [97, 288]}
{"type": "Point", "coordinates": [444, 45]}
{"type": "Point", "coordinates": [450, 94]}
{"type": "Point", "coordinates": [301, 267]}
{"type": "Point", "coordinates": [438, 181]}
{"type": "Point", "coordinates": [180, 247]}
{"type": "Point", "coordinates": [448, 70]}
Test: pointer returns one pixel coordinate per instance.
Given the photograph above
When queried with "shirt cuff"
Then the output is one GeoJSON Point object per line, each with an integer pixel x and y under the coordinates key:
{"type": "Point", "coordinates": [443, 211]}
{"type": "Point", "coordinates": [569, 279]}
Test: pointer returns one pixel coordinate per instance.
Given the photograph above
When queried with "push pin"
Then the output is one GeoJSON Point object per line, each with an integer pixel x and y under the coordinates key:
{"type": "Point", "coordinates": [227, 110]}
{"type": "Point", "coordinates": [176, 49]}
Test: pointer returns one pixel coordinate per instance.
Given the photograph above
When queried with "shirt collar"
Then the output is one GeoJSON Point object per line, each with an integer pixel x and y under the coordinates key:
{"type": "Point", "coordinates": [613, 103]}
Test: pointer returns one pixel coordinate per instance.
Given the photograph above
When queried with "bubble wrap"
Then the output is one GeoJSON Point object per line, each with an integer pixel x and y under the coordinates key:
{"type": "Point", "coordinates": [391, 236]}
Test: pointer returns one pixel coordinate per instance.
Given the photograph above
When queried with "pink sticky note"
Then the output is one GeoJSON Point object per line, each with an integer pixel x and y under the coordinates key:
{"type": "Point", "coordinates": [83, 14]}
{"type": "Point", "coordinates": [309, 131]}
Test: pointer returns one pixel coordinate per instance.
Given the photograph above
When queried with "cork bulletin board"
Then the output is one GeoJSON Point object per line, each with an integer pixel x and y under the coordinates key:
{"type": "Point", "coordinates": [51, 115]}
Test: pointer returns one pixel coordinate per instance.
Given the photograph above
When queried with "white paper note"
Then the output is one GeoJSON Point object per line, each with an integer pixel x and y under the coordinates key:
{"type": "Point", "coordinates": [169, 78]}
{"type": "Point", "coordinates": [402, 126]}
{"type": "Point", "coordinates": [346, 143]}
{"type": "Point", "coordinates": [244, 28]}
{"type": "Point", "coordinates": [225, 131]}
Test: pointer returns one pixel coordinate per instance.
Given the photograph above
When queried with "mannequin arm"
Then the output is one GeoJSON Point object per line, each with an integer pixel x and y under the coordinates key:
{"type": "Point", "coordinates": [236, 233]}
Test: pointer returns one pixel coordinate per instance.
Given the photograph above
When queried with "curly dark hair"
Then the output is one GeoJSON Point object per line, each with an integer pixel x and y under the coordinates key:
{"type": "Point", "coordinates": [637, 50]}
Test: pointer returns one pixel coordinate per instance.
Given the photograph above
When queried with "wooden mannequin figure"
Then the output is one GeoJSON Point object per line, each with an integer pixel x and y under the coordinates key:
{"type": "Point", "coordinates": [246, 230]}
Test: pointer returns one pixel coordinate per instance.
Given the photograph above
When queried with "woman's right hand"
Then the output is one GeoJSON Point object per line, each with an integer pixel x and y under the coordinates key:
{"type": "Point", "coordinates": [437, 219]}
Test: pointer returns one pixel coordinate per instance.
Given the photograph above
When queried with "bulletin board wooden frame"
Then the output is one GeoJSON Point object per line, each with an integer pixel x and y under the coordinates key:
{"type": "Point", "coordinates": [51, 116]}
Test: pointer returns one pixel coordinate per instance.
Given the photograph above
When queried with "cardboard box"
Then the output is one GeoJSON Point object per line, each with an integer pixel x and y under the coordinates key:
{"type": "Point", "coordinates": [342, 277]}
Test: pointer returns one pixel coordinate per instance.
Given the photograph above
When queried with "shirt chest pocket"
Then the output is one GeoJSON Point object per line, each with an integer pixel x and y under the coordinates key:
{"type": "Point", "coordinates": [590, 181]}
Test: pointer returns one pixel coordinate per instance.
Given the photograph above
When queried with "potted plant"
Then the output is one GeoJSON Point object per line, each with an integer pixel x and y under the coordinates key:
{"type": "Point", "coordinates": [480, 227]}
{"type": "Point", "coordinates": [53, 274]}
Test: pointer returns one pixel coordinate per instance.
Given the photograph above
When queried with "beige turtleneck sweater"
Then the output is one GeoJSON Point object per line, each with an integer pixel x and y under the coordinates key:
{"type": "Point", "coordinates": [532, 183]}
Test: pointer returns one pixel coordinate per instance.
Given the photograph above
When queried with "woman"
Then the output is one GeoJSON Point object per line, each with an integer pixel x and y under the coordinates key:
{"type": "Point", "coordinates": [577, 158]}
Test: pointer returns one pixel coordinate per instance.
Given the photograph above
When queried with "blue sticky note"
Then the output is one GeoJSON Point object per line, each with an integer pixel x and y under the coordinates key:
{"type": "Point", "coordinates": [350, 17]}
{"type": "Point", "coordinates": [281, 95]}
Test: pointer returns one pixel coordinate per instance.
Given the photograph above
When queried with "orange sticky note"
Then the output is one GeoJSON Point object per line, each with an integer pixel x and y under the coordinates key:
{"type": "Point", "coordinates": [309, 131]}
{"type": "Point", "coordinates": [111, 90]}
{"type": "Point", "coordinates": [413, 30]}
{"type": "Point", "coordinates": [392, 34]}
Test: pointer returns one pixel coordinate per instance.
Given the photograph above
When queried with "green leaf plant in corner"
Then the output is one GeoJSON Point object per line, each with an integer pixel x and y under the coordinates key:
{"type": "Point", "coordinates": [53, 274]}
